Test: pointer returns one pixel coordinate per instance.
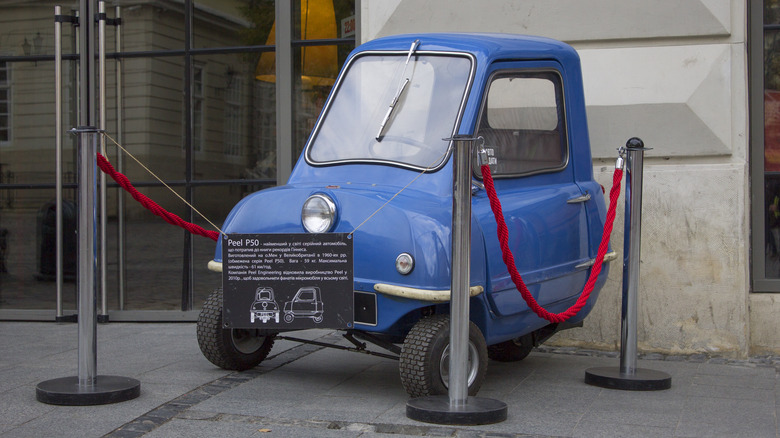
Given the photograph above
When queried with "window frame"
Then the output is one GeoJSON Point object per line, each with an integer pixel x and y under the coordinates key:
{"type": "Point", "coordinates": [759, 282]}
{"type": "Point", "coordinates": [434, 167]}
{"type": "Point", "coordinates": [6, 85]}
{"type": "Point", "coordinates": [532, 72]}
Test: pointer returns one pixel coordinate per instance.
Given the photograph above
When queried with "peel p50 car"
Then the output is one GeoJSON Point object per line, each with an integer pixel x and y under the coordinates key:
{"type": "Point", "coordinates": [378, 164]}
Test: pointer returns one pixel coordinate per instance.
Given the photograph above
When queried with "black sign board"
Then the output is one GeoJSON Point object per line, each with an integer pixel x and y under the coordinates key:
{"type": "Point", "coordinates": [287, 281]}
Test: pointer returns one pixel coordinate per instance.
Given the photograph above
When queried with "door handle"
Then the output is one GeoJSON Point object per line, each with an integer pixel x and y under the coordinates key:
{"type": "Point", "coordinates": [608, 257]}
{"type": "Point", "coordinates": [579, 199]}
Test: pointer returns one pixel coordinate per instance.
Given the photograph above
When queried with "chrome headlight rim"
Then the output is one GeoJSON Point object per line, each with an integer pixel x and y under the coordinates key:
{"type": "Point", "coordinates": [325, 213]}
{"type": "Point", "coordinates": [404, 263]}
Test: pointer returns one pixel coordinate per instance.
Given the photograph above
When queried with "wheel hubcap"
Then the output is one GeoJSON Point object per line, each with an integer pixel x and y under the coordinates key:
{"type": "Point", "coordinates": [472, 365]}
{"type": "Point", "coordinates": [246, 341]}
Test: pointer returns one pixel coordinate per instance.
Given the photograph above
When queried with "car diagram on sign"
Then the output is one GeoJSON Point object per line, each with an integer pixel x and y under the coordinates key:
{"type": "Point", "coordinates": [264, 308]}
{"type": "Point", "coordinates": [306, 303]}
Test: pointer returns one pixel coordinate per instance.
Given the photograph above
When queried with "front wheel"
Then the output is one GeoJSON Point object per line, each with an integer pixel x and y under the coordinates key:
{"type": "Point", "coordinates": [231, 349]}
{"type": "Point", "coordinates": [425, 359]}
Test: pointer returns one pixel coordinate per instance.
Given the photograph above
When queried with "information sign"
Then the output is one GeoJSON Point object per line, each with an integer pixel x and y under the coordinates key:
{"type": "Point", "coordinates": [287, 281]}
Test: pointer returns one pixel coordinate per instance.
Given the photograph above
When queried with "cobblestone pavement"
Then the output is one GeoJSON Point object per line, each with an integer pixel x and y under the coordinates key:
{"type": "Point", "coordinates": [763, 361]}
{"type": "Point", "coordinates": [306, 390]}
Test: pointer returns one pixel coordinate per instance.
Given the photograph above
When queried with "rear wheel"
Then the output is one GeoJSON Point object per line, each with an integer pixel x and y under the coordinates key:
{"type": "Point", "coordinates": [425, 358]}
{"type": "Point", "coordinates": [513, 350]}
{"type": "Point", "coordinates": [231, 349]}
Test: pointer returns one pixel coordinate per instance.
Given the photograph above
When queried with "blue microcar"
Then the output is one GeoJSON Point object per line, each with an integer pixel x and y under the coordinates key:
{"type": "Point", "coordinates": [378, 164]}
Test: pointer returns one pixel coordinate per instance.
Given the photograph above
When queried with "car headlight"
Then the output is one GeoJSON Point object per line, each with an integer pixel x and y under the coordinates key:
{"type": "Point", "coordinates": [318, 214]}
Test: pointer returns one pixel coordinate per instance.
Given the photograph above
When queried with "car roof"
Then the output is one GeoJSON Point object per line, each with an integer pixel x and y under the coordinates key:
{"type": "Point", "coordinates": [485, 46]}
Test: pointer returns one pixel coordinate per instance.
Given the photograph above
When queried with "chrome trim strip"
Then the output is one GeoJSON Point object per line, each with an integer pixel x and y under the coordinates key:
{"type": "Point", "coordinates": [437, 296]}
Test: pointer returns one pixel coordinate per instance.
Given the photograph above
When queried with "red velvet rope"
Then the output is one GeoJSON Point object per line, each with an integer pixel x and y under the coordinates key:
{"type": "Point", "coordinates": [509, 260]}
{"type": "Point", "coordinates": [152, 206]}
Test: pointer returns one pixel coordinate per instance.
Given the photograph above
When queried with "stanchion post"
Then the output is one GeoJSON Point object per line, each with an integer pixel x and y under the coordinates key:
{"type": "Point", "coordinates": [87, 388]}
{"type": "Point", "coordinates": [58, 152]}
{"type": "Point", "coordinates": [461, 274]}
{"type": "Point", "coordinates": [121, 233]}
{"type": "Point", "coordinates": [632, 232]}
{"type": "Point", "coordinates": [458, 408]}
{"type": "Point", "coordinates": [628, 376]}
{"type": "Point", "coordinates": [101, 17]}
{"type": "Point", "coordinates": [87, 245]}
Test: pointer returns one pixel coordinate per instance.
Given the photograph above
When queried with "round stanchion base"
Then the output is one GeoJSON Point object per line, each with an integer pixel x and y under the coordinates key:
{"type": "Point", "coordinates": [107, 389]}
{"type": "Point", "coordinates": [641, 380]}
{"type": "Point", "coordinates": [436, 409]}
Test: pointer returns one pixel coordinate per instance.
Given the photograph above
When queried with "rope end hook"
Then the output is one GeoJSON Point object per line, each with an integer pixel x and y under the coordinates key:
{"type": "Point", "coordinates": [621, 158]}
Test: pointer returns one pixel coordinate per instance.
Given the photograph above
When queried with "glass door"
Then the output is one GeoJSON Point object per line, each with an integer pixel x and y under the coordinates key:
{"type": "Point", "coordinates": [27, 158]}
{"type": "Point", "coordinates": [188, 93]}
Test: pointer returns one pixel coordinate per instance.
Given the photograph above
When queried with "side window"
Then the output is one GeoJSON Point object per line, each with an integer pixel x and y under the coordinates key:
{"type": "Point", "coordinates": [523, 121]}
{"type": "Point", "coordinates": [306, 295]}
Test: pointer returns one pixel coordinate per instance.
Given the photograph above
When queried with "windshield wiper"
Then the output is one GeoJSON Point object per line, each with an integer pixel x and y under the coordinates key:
{"type": "Point", "coordinates": [401, 87]}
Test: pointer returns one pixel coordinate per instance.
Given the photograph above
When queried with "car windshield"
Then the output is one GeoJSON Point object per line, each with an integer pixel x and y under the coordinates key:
{"type": "Point", "coordinates": [373, 118]}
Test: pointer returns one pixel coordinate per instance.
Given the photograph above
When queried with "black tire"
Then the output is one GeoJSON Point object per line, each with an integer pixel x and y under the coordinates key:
{"type": "Point", "coordinates": [424, 362]}
{"type": "Point", "coordinates": [513, 350]}
{"type": "Point", "coordinates": [231, 349]}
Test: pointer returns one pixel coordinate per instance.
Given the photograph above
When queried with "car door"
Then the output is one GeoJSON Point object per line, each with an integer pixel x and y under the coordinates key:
{"type": "Point", "coordinates": [305, 301]}
{"type": "Point", "coordinates": [523, 119]}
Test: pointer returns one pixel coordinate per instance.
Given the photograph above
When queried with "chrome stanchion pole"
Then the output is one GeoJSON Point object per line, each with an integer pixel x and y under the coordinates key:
{"type": "Point", "coordinates": [631, 256]}
{"type": "Point", "coordinates": [457, 407]}
{"type": "Point", "coordinates": [461, 274]}
{"type": "Point", "coordinates": [58, 151]}
{"type": "Point", "coordinates": [103, 316]}
{"type": "Point", "coordinates": [120, 201]}
{"type": "Point", "coordinates": [87, 244]}
{"type": "Point", "coordinates": [87, 388]}
{"type": "Point", "coordinates": [628, 376]}
{"type": "Point", "coordinates": [59, 214]}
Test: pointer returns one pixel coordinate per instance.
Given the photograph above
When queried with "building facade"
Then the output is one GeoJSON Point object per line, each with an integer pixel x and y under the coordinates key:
{"type": "Point", "coordinates": [695, 79]}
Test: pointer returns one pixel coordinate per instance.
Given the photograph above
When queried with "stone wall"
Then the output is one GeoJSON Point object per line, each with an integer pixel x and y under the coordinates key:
{"type": "Point", "coordinates": [673, 73]}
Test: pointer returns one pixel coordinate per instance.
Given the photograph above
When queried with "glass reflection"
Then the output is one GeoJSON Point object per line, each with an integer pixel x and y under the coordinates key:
{"type": "Point", "coordinates": [772, 225]}
{"type": "Point", "coordinates": [232, 136]}
{"type": "Point", "coordinates": [235, 115]}
{"type": "Point", "coordinates": [772, 140]}
{"type": "Point", "coordinates": [154, 254]}
{"type": "Point", "coordinates": [206, 281]}
{"type": "Point", "coordinates": [27, 250]}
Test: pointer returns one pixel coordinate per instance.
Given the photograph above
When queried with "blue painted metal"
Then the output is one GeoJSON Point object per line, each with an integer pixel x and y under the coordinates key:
{"type": "Point", "coordinates": [548, 236]}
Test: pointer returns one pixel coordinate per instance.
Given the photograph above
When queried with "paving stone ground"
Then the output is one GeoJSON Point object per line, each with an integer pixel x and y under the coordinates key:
{"type": "Point", "coordinates": [309, 391]}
